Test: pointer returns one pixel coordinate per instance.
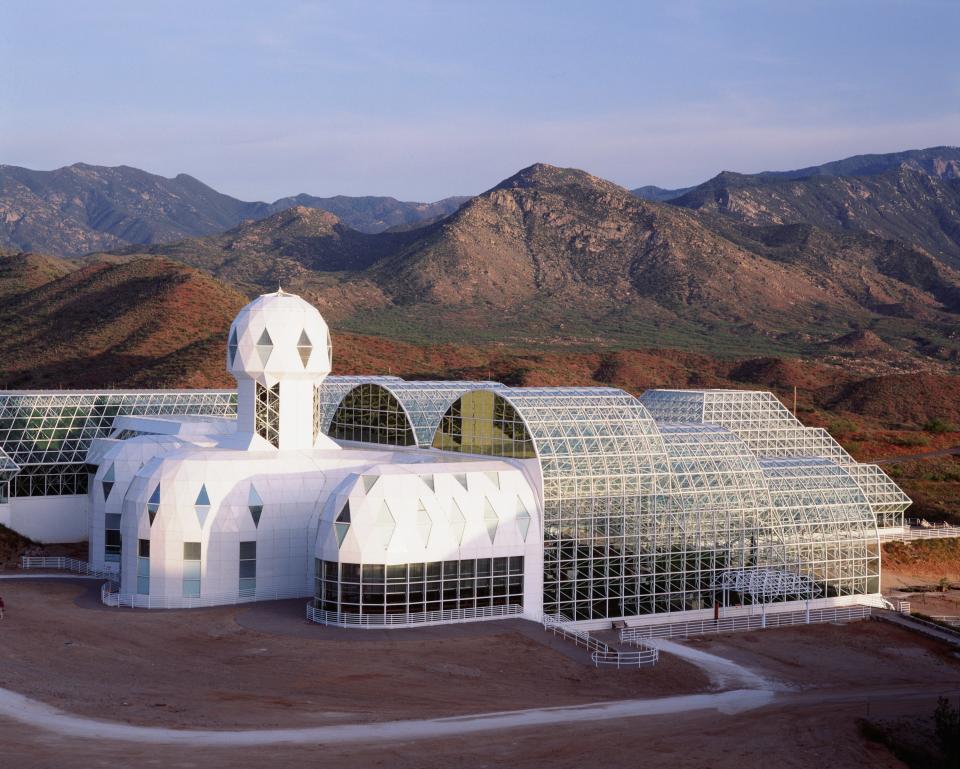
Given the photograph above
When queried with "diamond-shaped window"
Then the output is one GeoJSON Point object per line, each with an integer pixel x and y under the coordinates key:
{"type": "Point", "coordinates": [202, 505]}
{"type": "Point", "coordinates": [384, 525]}
{"type": "Point", "coordinates": [424, 523]}
{"type": "Point", "coordinates": [523, 519]}
{"type": "Point", "coordinates": [232, 346]}
{"type": "Point", "coordinates": [109, 478]}
{"type": "Point", "coordinates": [264, 347]}
{"type": "Point", "coordinates": [153, 504]}
{"type": "Point", "coordinates": [255, 505]}
{"type": "Point", "coordinates": [341, 524]}
{"type": "Point", "coordinates": [490, 519]}
{"type": "Point", "coordinates": [458, 522]}
{"type": "Point", "coordinates": [304, 347]}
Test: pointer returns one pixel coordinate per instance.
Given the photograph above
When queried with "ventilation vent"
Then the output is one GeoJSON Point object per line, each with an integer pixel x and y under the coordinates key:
{"type": "Point", "coordinates": [255, 505]}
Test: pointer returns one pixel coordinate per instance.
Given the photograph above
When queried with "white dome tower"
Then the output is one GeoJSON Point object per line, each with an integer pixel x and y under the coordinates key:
{"type": "Point", "coordinates": [279, 350]}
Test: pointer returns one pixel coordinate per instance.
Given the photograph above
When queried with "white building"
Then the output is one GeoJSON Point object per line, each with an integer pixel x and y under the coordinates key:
{"type": "Point", "coordinates": [392, 502]}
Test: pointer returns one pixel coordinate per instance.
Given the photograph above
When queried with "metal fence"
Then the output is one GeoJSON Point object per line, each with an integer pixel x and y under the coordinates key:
{"type": "Point", "coordinates": [601, 653]}
{"type": "Point", "coordinates": [111, 597]}
{"type": "Point", "coordinates": [745, 622]}
{"type": "Point", "coordinates": [342, 619]}
{"type": "Point", "coordinates": [915, 531]}
{"type": "Point", "coordinates": [60, 563]}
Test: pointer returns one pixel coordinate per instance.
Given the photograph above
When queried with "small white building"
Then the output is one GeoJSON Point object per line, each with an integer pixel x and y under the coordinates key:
{"type": "Point", "coordinates": [198, 511]}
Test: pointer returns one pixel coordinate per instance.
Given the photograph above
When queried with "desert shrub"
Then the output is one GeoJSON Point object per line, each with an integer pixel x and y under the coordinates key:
{"type": "Point", "coordinates": [938, 425]}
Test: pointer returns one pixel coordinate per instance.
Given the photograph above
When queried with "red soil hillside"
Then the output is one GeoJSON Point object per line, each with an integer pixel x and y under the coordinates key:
{"type": "Point", "coordinates": [916, 399]}
{"type": "Point", "coordinates": [146, 322]}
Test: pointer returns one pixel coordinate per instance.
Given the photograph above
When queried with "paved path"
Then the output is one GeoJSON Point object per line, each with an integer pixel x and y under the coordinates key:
{"type": "Point", "coordinates": [722, 672]}
{"type": "Point", "coordinates": [38, 715]}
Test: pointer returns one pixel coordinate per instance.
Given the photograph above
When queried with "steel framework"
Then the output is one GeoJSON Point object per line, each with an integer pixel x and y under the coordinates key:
{"type": "Point", "coordinates": [47, 434]}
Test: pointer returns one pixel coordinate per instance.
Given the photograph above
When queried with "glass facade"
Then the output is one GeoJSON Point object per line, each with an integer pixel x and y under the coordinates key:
{"type": "Point", "coordinates": [647, 517]}
{"type": "Point", "coordinates": [47, 434]}
{"type": "Point", "coordinates": [412, 588]}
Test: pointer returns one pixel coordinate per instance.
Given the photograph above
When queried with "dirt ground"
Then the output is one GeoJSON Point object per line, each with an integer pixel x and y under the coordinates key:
{"type": "Point", "coordinates": [262, 666]}
{"type": "Point", "coordinates": [203, 668]}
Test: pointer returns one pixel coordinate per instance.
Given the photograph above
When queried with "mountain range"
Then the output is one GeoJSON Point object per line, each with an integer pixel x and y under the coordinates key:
{"type": "Point", "coordinates": [859, 269]}
{"type": "Point", "coordinates": [82, 208]}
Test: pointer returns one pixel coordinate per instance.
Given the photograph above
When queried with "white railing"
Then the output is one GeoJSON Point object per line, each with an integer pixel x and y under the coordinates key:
{"type": "Point", "coordinates": [60, 563]}
{"type": "Point", "coordinates": [446, 617]}
{"type": "Point", "coordinates": [916, 531]}
{"type": "Point", "coordinates": [945, 619]}
{"type": "Point", "coordinates": [745, 622]}
{"type": "Point", "coordinates": [110, 597]}
{"type": "Point", "coordinates": [601, 653]}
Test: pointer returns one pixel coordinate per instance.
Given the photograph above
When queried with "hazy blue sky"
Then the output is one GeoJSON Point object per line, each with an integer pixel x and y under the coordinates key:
{"type": "Point", "coordinates": [426, 99]}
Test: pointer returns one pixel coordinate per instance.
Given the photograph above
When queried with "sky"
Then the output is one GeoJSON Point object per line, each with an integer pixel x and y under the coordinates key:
{"type": "Point", "coordinates": [421, 99]}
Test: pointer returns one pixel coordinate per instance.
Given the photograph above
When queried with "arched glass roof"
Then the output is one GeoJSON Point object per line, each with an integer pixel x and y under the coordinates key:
{"type": "Point", "coordinates": [396, 412]}
{"type": "Point", "coordinates": [603, 467]}
{"type": "Point", "coordinates": [330, 392]}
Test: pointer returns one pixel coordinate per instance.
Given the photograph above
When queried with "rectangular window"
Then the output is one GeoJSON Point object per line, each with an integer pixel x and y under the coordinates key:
{"type": "Point", "coordinates": [191, 568]}
{"type": "Point", "coordinates": [248, 568]}
{"type": "Point", "coordinates": [143, 566]}
{"type": "Point", "coordinates": [4, 493]}
{"type": "Point", "coordinates": [112, 542]}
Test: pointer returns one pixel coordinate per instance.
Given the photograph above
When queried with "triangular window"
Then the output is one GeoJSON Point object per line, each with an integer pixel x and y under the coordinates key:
{"type": "Point", "coordinates": [232, 347]}
{"type": "Point", "coordinates": [109, 478]}
{"type": "Point", "coordinates": [369, 481]}
{"type": "Point", "coordinates": [490, 519]}
{"type": "Point", "coordinates": [461, 479]}
{"type": "Point", "coordinates": [264, 347]}
{"type": "Point", "coordinates": [342, 523]}
{"type": "Point", "coordinates": [304, 347]}
{"type": "Point", "coordinates": [202, 505]}
{"type": "Point", "coordinates": [153, 504]}
{"type": "Point", "coordinates": [494, 478]}
{"type": "Point", "coordinates": [255, 505]}
{"type": "Point", "coordinates": [523, 519]}
{"type": "Point", "coordinates": [428, 479]}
